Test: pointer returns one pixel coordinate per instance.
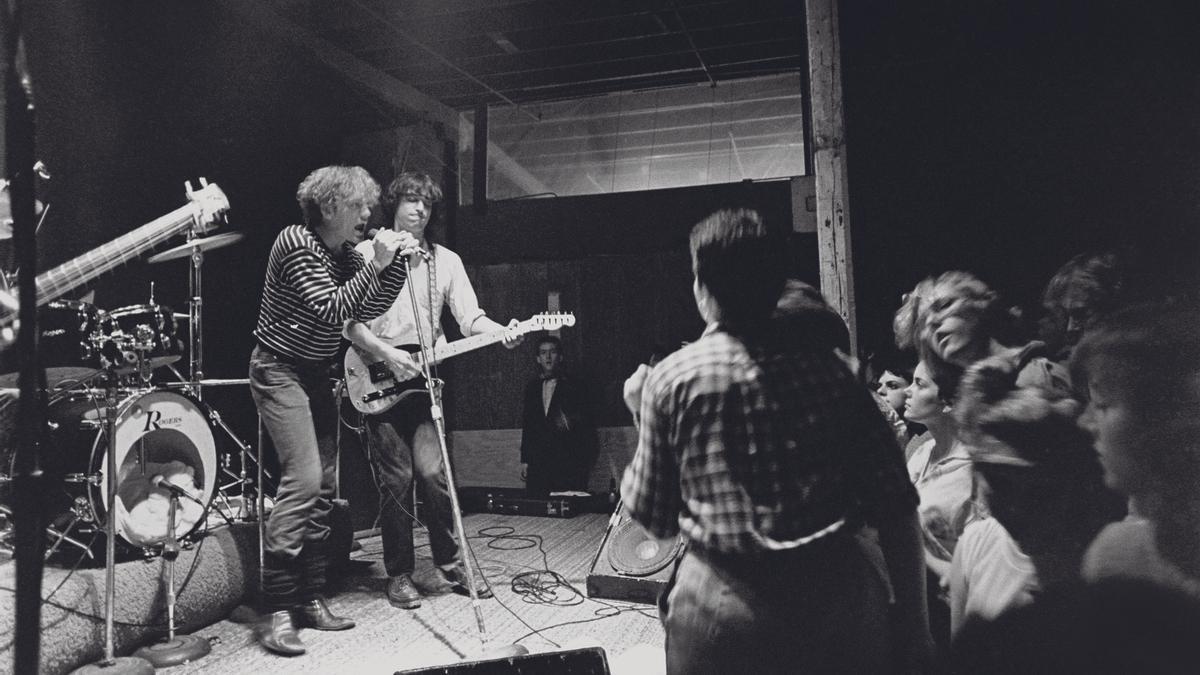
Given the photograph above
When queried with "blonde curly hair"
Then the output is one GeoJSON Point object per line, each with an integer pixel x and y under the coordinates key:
{"type": "Point", "coordinates": [331, 184]}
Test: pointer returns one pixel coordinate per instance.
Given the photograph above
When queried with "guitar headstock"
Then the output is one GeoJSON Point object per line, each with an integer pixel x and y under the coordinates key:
{"type": "Point", "coordinates": [551, 320]}
{"type": "Point", "coordinates": [209, 202]}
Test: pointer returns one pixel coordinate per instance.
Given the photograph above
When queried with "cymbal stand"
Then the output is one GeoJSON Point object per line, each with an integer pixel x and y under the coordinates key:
{"type": "Point", "coordinates": [195, 307]}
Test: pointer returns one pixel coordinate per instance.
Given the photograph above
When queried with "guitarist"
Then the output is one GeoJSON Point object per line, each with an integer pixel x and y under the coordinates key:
{"type": "Point", "coordinates": [403, 440]}
{"type": "Point", "coordinates": [315, 281]}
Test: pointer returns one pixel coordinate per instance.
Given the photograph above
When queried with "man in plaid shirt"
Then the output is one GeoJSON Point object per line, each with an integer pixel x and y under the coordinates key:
{"type": "Point", "coordinates": [772, 461]}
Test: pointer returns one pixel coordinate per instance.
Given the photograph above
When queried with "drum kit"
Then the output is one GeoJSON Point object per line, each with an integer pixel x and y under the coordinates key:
{"type": "Point", "coordinates": [112, 374]}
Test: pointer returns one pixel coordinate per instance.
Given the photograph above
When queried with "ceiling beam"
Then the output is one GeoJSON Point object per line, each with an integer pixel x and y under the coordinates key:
{"type": "Point", "coordinates": [387, 88]}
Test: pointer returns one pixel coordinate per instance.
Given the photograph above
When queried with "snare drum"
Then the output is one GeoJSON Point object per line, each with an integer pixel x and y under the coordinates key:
{"type": "Point", "coordinates": [69, 349]}
{"type": "Point", "coordinates": [148, 330]}
{"type": "Point", "coordinates": [159, 434]}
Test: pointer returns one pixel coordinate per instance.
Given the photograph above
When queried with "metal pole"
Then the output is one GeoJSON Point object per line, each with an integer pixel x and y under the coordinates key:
{"type": "Point", "coordinates": [433, 386]}
{"type": "Point", "coordinates": [28, 481]}
{"type": "Point", "coordinates": [195, 307]}
{"type": "Point", "coordinates": [110, 527]}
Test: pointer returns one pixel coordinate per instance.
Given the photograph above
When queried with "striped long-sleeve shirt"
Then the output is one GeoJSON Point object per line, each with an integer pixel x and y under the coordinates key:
{"type": "Point", "coordinates": [309, 294]}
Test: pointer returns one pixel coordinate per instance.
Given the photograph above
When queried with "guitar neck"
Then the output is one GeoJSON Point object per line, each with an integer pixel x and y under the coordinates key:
{"type": "Point", "coordinates": [79, 271]}
{"type": "Point", "coordinates": [464, 345]}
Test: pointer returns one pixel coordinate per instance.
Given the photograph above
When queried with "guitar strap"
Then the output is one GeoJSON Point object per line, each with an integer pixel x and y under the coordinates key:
{"type": "Point", "coordinates": [431, 277]}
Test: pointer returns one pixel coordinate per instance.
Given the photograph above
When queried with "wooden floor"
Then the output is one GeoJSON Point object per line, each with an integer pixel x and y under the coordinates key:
{"type": "Point", "coordinates": [444, 630]}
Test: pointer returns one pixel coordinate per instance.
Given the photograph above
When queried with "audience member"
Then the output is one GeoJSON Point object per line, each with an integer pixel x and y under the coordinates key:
{"type": "Point", "coordinates": [895, 373]}
{"type": "Point", "coordinates": [941, 471]}
{"type": "Point", "coordinates": [811, 323]}
{"type": "Point", "coordinates": [768, 457]}
{"type": "Point", "coordinates": [1041, 484]}
{"type": "Point", "coordinates": [1086, 287]}
{"type": "Point", "coordinates": [965, 322]}
{"type": "Point", "coordinates": [1140, 370]}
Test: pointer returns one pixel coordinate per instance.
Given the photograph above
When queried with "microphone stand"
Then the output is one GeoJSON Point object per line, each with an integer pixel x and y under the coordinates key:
{"type": "Point", "coordinates": [434, 387]}
{"type": "Point", "coordinates": [175, 650]}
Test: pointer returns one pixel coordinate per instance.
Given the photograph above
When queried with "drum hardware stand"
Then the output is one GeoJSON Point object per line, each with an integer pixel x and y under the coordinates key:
{"type": "Point", "coordinates": [195, 306]}
{"type": "Point", "coordinates": [109, 662]}
{"type": "Point", "coordinates": [434, 387]}
{"type": "Point", "coordinates": [246, 511]}
{"type": "Point", "coordinates": [57, 537]}
{"type": "Point", "coordinates": [176, 649]}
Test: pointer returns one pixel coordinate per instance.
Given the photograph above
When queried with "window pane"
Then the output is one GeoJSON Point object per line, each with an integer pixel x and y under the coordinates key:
{"type": "Point", "coordinates": [645, 140]}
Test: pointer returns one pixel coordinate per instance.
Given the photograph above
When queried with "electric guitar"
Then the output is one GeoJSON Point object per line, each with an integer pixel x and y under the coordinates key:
{"type": "Point", "coordinates": [373, 388]}
{"type": "Point", "coordinates": [203, 208]}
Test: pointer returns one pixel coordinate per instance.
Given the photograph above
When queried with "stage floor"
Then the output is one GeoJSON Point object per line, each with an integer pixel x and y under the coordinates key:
{"type": "Point", "coordinates": [443, 630]}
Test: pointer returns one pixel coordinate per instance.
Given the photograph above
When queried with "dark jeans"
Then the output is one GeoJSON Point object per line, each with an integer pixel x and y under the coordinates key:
{"type": "Point", "coordinates": [820, 610]}
{"type": "Point", "coordinates": [296, 406]}
{"type": "Point", "coordinates": [404, 445]}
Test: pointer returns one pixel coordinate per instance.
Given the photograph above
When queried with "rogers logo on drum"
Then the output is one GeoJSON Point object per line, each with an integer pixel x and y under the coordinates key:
{"type": "Point", "coordinates": [156, 421]}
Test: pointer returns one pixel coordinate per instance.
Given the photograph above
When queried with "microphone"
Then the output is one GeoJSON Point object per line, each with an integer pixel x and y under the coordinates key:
{"type": "Point", "coordinates": [370, 234]}
{"type": "Point", "coordinates": [160, 482]}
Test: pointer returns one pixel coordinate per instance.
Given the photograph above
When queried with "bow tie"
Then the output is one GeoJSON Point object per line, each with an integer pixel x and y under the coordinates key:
{"type": "Point", "coordinates": [546, 377]}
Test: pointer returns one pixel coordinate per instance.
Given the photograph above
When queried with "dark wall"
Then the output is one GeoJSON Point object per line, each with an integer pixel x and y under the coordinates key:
{"type": "Point", "coordinates": [620, 262]}
{"type": "Point", "coordinates": [565, 228]}
{"type": "Point", "coordinates": [134, 98]}
{"type": "Point", "coordinates": [1003, 137]}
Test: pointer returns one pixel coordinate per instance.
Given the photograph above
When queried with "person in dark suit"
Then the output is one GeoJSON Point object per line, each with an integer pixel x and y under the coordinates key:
{"type": "Point", "coordinates": [558, 434]}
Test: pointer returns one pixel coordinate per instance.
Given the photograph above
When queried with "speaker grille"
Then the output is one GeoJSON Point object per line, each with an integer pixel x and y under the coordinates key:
{"type": "Point", "coordinates": [634, 553]}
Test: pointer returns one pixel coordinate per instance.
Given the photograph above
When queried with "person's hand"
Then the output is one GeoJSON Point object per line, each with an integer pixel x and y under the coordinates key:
{"type": "Point", "coordinates": [386, 243]}
{"type": "Point", "coordinates": [512, 338]}
{"type": "Point", "coordinates": [408, 243]}
{"type": "Point", "coordinates": [632, 391]}
{"type": "Point", "coordinates": [401, 364]}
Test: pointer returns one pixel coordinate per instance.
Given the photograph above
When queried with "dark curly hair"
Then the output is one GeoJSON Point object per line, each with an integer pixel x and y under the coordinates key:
{"type": "Point", "coordinates": [411, 182]}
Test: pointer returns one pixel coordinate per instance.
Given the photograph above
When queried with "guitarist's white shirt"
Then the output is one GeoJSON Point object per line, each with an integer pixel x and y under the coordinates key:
{"type": "Point", "coordinates": [452, 286]}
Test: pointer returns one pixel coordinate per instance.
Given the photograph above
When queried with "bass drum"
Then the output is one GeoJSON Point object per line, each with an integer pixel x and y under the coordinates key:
{"type": "Point", "coordinates": [160, 436]}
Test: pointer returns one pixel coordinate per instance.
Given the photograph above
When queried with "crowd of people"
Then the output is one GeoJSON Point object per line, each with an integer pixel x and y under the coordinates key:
{"type": "Point", "coordinates": [988, 502]}
{"type": "Point", "coordinates": [1050, 480]}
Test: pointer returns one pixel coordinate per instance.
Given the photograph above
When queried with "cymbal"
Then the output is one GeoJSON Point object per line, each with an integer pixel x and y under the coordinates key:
{"type": "Point", "coordinates": [203, 243]}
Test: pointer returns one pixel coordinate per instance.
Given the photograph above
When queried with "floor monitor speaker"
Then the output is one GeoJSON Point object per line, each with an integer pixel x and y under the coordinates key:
{"type": "Point", "coordinates": [631, 564]}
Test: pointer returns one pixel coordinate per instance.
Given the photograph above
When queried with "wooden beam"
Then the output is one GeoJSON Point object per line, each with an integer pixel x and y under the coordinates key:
{"type": "Point", "coordinates": [829, 161]}
{"type": "Point", "coordinates": [389, 90]}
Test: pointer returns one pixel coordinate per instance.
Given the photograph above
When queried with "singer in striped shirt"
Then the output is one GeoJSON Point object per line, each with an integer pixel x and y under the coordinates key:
{"type": "Point", "coordinates": [315, 281]}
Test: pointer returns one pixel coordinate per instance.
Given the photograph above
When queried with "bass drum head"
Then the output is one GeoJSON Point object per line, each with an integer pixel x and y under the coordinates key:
{"type": "Point", "coordinates": [161, 435]}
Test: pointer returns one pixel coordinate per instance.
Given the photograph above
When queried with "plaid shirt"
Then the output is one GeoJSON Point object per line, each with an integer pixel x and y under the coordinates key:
{"type": "Point", "coordinates": [746, 446]}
